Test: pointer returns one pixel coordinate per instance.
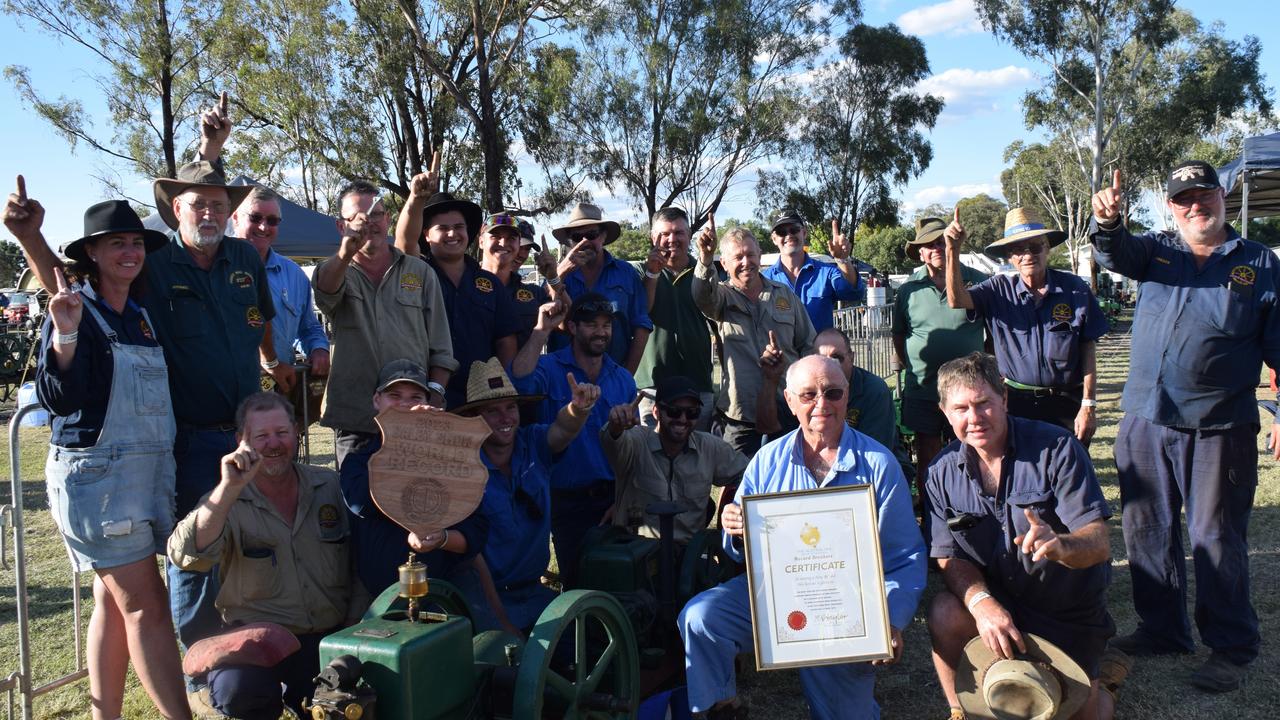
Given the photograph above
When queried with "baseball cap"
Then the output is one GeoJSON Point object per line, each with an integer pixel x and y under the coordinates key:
{"type": "Point", "coordinates": [787, 216]}
{"type": "Point", "coordinates": [589, 306]}
{"type": "Point", "coordinates": [500, 220]}
{"type": "Point", "coordinates": [1192, 174]}
{"type": "Point", "coordinates": [674, 388]}
{"type": "Point", "coordinates": [526, 233]}
{"type": "Point", "coordinates": [402, 371]}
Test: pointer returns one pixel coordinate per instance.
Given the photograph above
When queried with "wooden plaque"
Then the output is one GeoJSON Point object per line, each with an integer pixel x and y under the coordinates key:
{"type": "Point", "coordinates": [428, 474]}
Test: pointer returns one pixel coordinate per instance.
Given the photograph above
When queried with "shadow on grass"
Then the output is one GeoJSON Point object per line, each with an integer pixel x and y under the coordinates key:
{"type": "Point", "coordinates": [42, 601]}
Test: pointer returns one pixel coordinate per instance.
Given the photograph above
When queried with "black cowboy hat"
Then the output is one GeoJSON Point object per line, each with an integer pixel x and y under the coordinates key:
{"type": "Point", "coordinates": [443, 202]}
{"type": "Point", "coordinates": [112, 217]}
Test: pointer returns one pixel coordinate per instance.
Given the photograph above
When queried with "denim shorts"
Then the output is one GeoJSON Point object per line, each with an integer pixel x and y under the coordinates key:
{"type": "Point", "coordinates": [114, 506]}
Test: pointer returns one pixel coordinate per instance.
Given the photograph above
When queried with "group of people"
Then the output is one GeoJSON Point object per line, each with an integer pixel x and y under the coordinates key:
{"type": "Point", "coordinates": [599, 391]}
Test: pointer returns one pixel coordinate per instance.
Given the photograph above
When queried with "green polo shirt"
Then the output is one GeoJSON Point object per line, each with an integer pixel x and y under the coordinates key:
{"type": "Point", "coordinates": [935, 331]}
{"type": "Point", "coordinates": [210, 323]}
{"type": "Point", "coordinates": [680, 343]}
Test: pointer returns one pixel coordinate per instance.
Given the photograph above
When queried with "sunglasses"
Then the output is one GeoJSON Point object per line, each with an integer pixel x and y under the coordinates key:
{"type": "Point", "coordinates": [270, 220]}
{"type": "Point", "coordinates": [675, 413]}
{"type": "Point", "coordinates": [577, 237]}
{"type": "Point", "coordinates": [1027, 249]}
{"type": "Point", "coordinates": [787, 230]}
{"type": "Point", "coordinates": [593, 309]}
{"type": "Point", "coordinates": [809, 397]}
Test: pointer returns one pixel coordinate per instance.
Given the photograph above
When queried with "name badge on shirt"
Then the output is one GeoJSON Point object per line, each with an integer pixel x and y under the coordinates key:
{"type": "Point", "coordinates": [241, 279]}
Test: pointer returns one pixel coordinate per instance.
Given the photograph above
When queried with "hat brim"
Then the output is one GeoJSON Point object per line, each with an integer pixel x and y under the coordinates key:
{"type": "Point", "coordinates": [507, 398]}
{"type": "Point", "coordinates": [913, 246]}
{"type": "Point", "coordinates": [999, 249]}
{"type": "Point", "coordinates": [977, 657]}
{"type": "Point", "coordinates": [75, 250]}
{"type": "Point", "coordinates": [611, 229]}
{"type": "Point", "coordinates": [472, 215]}
{"type": "Point", "coordinates": [166, 189]}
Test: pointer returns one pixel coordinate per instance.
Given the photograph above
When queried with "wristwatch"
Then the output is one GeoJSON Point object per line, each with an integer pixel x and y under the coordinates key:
{"type": "Point", "coordinates": [435, 387]}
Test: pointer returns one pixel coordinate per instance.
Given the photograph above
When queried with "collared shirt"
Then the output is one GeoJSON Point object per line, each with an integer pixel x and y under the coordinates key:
{"type": "Point", "coordinates": [480, 312]}
{"type": "Point", "coordinates": [379, 545]}
{"type": "Point", "coordinates": [647, 474]}
{"type": "Point", "coordinates": [402, 315]}
{"type": "Point", "coordinates": [870, 409]}
{"type": "Point", "coordinates": [518, 510]}
{"type": "Point", "coordinates": [620, 283]}
{"type": "Point", "coordinates": [527, 298]}
{"type": "Point", "coordinates": [582, 463]}
{"type": "Point", "coordinates": [1047, 471]}
{"type": "Point", "coordinates": [744, 325]}
{"type": "Point", "coordinates": [935, 331]}
{"type": "Point", "coordinates": [1037, 340]}
{"type": "Point", "coordinates": [1200, 335]}
{"type": "Point", "coordinates": [210, 324]}
{"type": "Point", "coordinates": [818, 285]}
{"type": "Point", "coordinates": [681, 340]}
{"type": "Point", "coordinates": [298, 575]}
{"type": "Point", "coordinates": [77, 397]}
{"type": "Point", "coordinates": [779, 467]}
{"type": "Point", "coordinates": [295, 321]}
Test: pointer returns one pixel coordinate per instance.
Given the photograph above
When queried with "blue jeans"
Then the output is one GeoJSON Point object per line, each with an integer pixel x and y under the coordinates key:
{"type": "Point", "coordinates": [522, 604]}
{"type": "Point", "coordinates": [249, 692]}
{"type": "Point", "coordinates": [573, 513]}
{"type": "Point", "coordinates": [198, 454]}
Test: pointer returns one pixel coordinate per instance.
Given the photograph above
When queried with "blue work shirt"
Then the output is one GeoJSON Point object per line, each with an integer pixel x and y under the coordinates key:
{"type": "Point", "coordinates": [480, 312]}
{"type": "Point", "coordinates": [583, 463]}
{"type": "Point", "coordinates": [379, 544]}
{"type": "Point", "coordinates": [779, 467]}
{"type": "Point", "coordinates": [1039, 344]}
{"type": "Point", "coordinates": [621, 284]}
{"type": "Point", "coordinates": [518, 510]}
{"type": "Point", "coordinates": [819, 285]}
{"type": "Point", "coordinates": [295, 321]}
{"type": "Point", "coordinates": [1200, 335]}
{"type": "Point", "coordinates": [77, 397]}
{"type": "Point", "coordinates": [210, 324]}
{"type": "Point", "coordinates": [870, 409]}
{"type": "Point", "coordinates": [527, 298]}
{"type": "Point", "coordinates": [1047, 470]}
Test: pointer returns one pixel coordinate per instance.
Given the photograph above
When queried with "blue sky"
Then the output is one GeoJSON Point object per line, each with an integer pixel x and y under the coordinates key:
{"type": "Point", "coordinates": [982, 80]}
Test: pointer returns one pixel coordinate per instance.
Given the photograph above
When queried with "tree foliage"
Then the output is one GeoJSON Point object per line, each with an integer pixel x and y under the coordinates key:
{"type": "Point", "coordinates": [885, 247]}
{"type": "Point", "coordinates": [983, 220]}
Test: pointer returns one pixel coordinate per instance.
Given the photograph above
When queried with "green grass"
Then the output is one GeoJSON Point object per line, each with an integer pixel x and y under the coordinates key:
{"type": "Point", "coordinates": [1157, 688]}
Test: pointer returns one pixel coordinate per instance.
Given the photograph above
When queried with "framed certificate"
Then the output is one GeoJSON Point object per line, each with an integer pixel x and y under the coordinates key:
{"type": "Point", "coordinates": [815, 577]}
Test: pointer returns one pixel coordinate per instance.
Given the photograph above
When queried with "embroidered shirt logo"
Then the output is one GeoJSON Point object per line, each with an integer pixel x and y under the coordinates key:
{"type": "Point", "coordinates": [782, 303]}
{"type": "Point", "coordinates": [241, 279]}
{"type": "Point", "coordinates": [410, 281]}
{"type": "Point", "coordinates": [484, 285]}
{"type": "Point", "coordinates": [1243, 275]}
{"type": "Point", "coordinates": [1061, 312]}
{"type": "Point", "coordinates": [253, 316]}
{"type": "Point", "coordinates": [523, 295]}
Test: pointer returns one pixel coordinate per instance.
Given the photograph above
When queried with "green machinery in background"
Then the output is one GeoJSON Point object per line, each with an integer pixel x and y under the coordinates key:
{"type": "Point", "coordinates": [595, 652]}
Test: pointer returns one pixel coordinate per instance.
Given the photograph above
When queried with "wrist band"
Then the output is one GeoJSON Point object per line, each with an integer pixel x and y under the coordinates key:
{"type": "Point", "coordinates": [67, 339]}
{"type": "Point", "coordinates": [1088, 402]}
{"type": "Point", "coordinates": [553, 281]}
{"type": "Point", "coordinates": [435, 387]}
{"type": "Point", "coordinates": [444, 539]}
{"type": "Point", "coordinates": [270, 364]}
{"type": "Point", "coordinates": [650, 275]}
{"type": "Point", "coordinates": [977, 598]}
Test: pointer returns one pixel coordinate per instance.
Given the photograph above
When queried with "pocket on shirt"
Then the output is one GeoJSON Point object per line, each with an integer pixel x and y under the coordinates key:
{"type": "Point", "coordinates": [190, 316]}
{"type": "Point", "coordinates": [1238, 313]}
{"type": "Point", "coordinates": [259, 573]}
{"type": "Point", "coordinates": [1061, 346]}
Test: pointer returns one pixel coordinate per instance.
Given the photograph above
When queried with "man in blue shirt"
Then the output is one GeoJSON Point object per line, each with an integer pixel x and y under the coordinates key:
{"type": "Point", "coordinates": [823, 452]}
{"type": "Point", "coordinates": [1044, 323]}
{"type": "Point", "coordinates": [1019, 528]}
{"type": "Point", "coordinates": [588, 267]}
{"type": "Point", "coordinates": [582, 483]}
{"type": "Point", "coordinates": [818, 284]}
{"type": "Point", "coordinates": [1206, 320]}
{"type": "Point", "coordinates": [258, 220]}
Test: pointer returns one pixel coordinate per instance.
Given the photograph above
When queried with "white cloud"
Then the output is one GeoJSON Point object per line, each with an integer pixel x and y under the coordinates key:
{"type": "Point", "coordinates": [947, 195]}
{"type": "Point", "coordinates": [953, 17]}
{"type": "Point", "coordinates": [968, 91]}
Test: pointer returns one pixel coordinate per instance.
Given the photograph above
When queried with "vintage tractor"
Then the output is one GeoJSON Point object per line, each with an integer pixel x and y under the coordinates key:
{"type": "Point", "coordinates": [595, 652]}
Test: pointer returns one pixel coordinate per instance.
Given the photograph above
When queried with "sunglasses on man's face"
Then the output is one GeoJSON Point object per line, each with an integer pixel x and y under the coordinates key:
{"type": "Point", "coordinates": [577, 237]}
{"type": "Point", "coordinates": [809, 397]}
{"type": "Point", "coordinates": [270, 220]}
{"type": "Point", "coordinates": [593, 309]}
{"type": "Point", "coordinates": [675, 413]}
{"type": "Point", "coordinates": [1026, 249]}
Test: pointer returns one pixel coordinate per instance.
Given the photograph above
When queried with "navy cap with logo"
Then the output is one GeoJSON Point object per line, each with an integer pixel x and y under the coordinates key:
{"type": "Point", "coordinates": [402, 371]}
{"type": "Point", "coordinates": [787, 216]}
{"type": "Point", "coordinates": [1192, 174]}
{"type": "Point", "coordinates": [675, 388]}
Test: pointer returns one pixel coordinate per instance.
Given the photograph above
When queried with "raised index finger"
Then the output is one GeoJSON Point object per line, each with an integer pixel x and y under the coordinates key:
{"type": "Point", "coordinates": [1115, 180]}
{"type": "Point", "coordinates": [573, 381]}
{"type": "Point", "coordinates": [22, 190]}
{"type": "Point", "coordinates": [435, 163]}
{"type": "Point", "coordinates": [957, 214]}
{"type": "Point", "coordinates": [835, 228]}
{"type": "Point", "coordinates": [711, 221]}
{"type": "Point", "coordinates": [222, 103]}
{"type": "Point", "coordinates": [60, 279]}
{"type": "Point", "coordinates": [543, 239]}
{"type": "Point", "coordinates": [773, 339]}
{"type": "Point", "coordinates": [1032, 516]}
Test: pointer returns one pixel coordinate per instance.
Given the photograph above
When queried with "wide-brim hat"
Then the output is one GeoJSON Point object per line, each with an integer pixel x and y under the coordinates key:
{"type": "Point", "coordinates": [488, 383]}
{"type": "Point", "coordinates": [194, 174]}
{"type": "Point", "coordinates": [928, 229]}
{"type": "Point", "coordinates": [584, 215]}
{"type": "Point", "coordinates": [1042, 684]}
{"type": "Point", "coordinates": [1022, 224]}
{"type": "Point", "coordinates": [443, 202]}
{"type": "Point", "coordinates": [112, 217]}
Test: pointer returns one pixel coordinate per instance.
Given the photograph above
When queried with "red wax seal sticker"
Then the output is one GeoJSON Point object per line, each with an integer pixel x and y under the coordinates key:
{"type": "Point", "coordinates": [796, 620]}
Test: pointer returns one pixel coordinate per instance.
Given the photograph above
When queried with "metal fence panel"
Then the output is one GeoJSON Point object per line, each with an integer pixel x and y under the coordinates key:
{"type": "Point", "coordinates": [870, 334]}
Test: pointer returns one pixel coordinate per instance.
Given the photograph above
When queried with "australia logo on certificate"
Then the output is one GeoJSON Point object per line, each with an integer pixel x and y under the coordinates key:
{"type": "Point", "coordinates": [816, 596]}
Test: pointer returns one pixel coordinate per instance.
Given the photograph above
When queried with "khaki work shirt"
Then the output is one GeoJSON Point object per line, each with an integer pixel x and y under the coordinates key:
{"type": "Point", "coordinates": [744, 326]}
{"type": "Point", "coordinates": [645, 474]}
{"type": "Point", "coordinates": [401, 316]}
{"type": "Point", "coordinates": [299, 577]}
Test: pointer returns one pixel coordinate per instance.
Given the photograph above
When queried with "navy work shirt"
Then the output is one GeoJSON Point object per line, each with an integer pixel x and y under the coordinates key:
{"type": "Point", "coordinates": [77, 397]}
{"type": "Point", "coordinates": [818, 285]}
{"type": "Point", "coordinates": [1200, 335]}
{"type": "Point", "coordinates": [480, 312]}
{"type": "Point", "coordinates": [1039, 344]}
{"type": "Point", "coordinates": [527, 298]}
{"type": "Point", "coordinates": [621, 284]}
{"type": "Point", "coordinates": [210, 323]}
{"type": "Point", "coordinates": [1047, 470]}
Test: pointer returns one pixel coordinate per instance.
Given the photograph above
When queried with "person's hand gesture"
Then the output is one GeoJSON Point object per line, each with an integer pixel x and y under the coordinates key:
{"type": "Point", "coordinates": [772, 362]}
{"type": "Point", "coordinates": [544, 260]}
{"type": "Point", "coordinates": [215, 123]}
{"type": "Point", "coordinates": [995, 626]}
{"type": "Point", "coordinates": [707, 241]}
{"type": "Point", "coordinates": [625, 416]}
{"type": "Point", "coordinates": [240, 465]}
{"type": "Point", "coordinates": [424, 185]}
{"type": "Point", "coordinates": [23, 216]}
{"type": "Point", "coordinates": [1040, 541]}
{"type": "Point", "coordinates": [731, 520]}
{"type": "Point", "coordinates": [584, 395]}
{"type": "Point", "coordinates": [352, 240]}
{"type": "Point", "coordinates": [572, 260]}
{"type": "Point", "coordinates": [65, 307]}
{"type": "Point", "coordinates": [1106, 202]}
{"type": "Point", "coordinates": [656, 261]}
{"type": "Point", "coordinates": [955, 234]}
{"type": "Point", "coordinates": [550, 315]}
{"type": "Point", "coordinates": [841, 245]}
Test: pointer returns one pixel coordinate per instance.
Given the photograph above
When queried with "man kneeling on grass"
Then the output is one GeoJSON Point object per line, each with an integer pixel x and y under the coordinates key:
{"type": "Point", "coordinates": [277, 532]}
{"type": "Point", "coordinates": [1019, 530]}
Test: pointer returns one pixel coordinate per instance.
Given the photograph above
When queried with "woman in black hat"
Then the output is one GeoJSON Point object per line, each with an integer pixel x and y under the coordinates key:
{"type": "Point", "coordinates": [110, 470]}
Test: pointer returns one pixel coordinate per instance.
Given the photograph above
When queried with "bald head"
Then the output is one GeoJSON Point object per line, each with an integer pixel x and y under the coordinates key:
{"type": "Point", "coordinates": [814, 368]}
{"type": "Point", "coordinates": [818, 395]}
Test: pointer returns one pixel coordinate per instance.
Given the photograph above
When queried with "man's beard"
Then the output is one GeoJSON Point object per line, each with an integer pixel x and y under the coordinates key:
{"type": "Point", "coordinates": [201, 235]}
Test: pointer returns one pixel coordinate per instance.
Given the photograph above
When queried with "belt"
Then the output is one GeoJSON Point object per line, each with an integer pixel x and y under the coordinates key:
{"type": "Point", "coordinates": [1039, 391]}
{"type": "Point", "coordinates": [219, 427]}
{"type": "Point", "coordinates": [599, 489]}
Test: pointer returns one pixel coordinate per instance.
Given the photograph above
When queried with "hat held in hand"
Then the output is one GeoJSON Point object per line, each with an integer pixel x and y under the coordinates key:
{"type": "Point", "coordinates": [1042, 684]}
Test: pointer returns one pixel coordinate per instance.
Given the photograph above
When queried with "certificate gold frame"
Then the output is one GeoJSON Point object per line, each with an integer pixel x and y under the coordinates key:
{"type": "Point", "coordinates": [815, 577]}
